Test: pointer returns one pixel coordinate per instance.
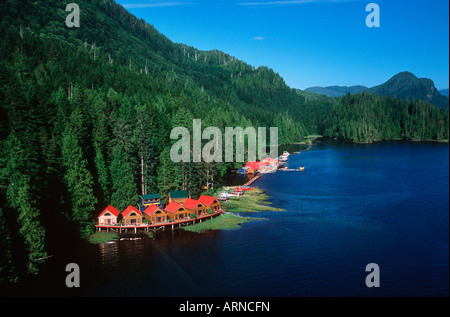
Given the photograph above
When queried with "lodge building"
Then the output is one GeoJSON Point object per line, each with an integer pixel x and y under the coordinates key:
{"type": "Point", "coordinates": [151, 210]}
{"type": "Point", "coordinates": [109, 216]}
{"type": "Point", "coordinates": [131, 216]}
{"type": "Point", "coordinates": [154, 214]}
{"type": "Point", "coordinates": [178, 196]}
{"type": "Point", "coordinates": [149, 200]}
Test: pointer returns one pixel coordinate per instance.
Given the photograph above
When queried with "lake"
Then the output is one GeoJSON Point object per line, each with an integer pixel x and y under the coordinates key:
{"type": "Point", "coordinates": [354, 204]}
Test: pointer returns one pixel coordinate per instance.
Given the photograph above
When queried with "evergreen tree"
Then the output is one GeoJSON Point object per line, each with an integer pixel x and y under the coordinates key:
{"type": "Point", "coordinates": [79, 182]}
{"type": "Point", "coordinates": [124, 189]}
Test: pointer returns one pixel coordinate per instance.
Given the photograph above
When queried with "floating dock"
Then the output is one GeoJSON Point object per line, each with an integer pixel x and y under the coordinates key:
{"type": "Point", "coordinates": [291, 170]}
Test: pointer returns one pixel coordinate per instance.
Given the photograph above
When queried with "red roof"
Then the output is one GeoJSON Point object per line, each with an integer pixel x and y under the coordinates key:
{"type": "Point", "coordinates": [112, 210]}
{"type": "Point", "coordinates": [151, 209]}
{"type": "Point", "coordinates": [191, 203]}
{"type": "Point", "coordinates": [172, 207]}
{"type": "Point", "coordinates": [254, 165]}
{"type": "Point", "coordinates": [206, 200]}
{"type": "Point", "coordinates": [130, 209]}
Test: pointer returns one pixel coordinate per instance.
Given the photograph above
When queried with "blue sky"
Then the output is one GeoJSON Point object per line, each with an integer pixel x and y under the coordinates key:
{"type": "Point", "coordinates": [313, 42]}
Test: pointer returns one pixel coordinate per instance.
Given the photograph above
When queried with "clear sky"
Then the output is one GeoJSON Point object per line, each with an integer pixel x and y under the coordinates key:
{"type": "Point", "coordinates": [313, 42]}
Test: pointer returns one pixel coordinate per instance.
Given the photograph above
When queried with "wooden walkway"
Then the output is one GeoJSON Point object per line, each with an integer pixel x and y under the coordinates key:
{"type": "Point", "coordinates": [252, 180]}
{"type": "Point", "coordinates": [161, 225]}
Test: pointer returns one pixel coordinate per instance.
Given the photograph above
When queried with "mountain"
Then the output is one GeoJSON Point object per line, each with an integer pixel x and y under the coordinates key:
{"type": "Point", "coordinates": [444, 92]}
{"type": "Point", "coordinates": [336, 91]}
{"type": "Point", "coordinates": [404, 85]}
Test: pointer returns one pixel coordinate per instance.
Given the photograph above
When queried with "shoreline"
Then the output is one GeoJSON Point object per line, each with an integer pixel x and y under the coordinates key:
{"type": "Point", "coordinates": [443, 141]}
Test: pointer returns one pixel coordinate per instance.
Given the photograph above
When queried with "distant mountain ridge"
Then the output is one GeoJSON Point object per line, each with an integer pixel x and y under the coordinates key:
{"type": "Point", "coordinates": [336, 91]}
{"type": "Point", "coordinates": [404, 85]}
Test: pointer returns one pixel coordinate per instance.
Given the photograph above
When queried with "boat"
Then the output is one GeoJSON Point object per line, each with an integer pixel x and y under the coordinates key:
{"type": "Point", "coordinates": [283, 158]}
{"type": "Point", "coordinates": [302, 168]}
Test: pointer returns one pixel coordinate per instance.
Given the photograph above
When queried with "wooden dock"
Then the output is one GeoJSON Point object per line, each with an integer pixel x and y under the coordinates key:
{"type": "Point", "coordinates": [252, 180]}
{"type": "Point", "coordinates": [291, 170]}
{"type": "Point", "coordinates": [156, 226]}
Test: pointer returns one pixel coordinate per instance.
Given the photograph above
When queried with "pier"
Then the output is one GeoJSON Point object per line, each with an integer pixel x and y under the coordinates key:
{"type": "Point", "coordinates": [253, 179]}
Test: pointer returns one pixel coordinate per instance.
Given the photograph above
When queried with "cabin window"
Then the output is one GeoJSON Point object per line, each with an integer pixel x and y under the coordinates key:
{"type": "Point", "coordinates": [107, 214]}
{"type": "Point", "coordinates": [133, 214]}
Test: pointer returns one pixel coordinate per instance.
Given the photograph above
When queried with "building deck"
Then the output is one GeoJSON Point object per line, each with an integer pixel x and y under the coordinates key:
{"type": "Point", "coordinates": [156, 226]}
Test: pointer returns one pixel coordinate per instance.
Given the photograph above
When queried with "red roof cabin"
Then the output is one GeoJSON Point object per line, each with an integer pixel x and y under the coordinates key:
{"type": "Point", "coordinates": [155, 214]}
{"type": "Point", "coordinates": [176, 211]}
{"type": "Point", "coordinates": [195, 207]}
{"type": "Point", "coordinates": [131, 216]}
{"type": "Point", "coordinates": [210, 202]}
{"type": "Point", "coordinates": [109, 216]}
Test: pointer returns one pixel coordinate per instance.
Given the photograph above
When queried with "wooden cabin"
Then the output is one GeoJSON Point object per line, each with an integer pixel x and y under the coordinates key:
{"type": "Point", "coordinates": [178, 196]}
{"type": "Point", "coordinates": [210, 202]}
{"type": "Point", "coordinates": [109, 216]}
{"type": "Point", "coordinates": [131, 216]}
{"type": "Point", "coordinates": [148, 200]}
{"type": "Point", "coordinates": [155, 214]}
{"type": "Point", "coordinates": [176, 211]}
{"type": "Point", "coordinates": [195, 207]}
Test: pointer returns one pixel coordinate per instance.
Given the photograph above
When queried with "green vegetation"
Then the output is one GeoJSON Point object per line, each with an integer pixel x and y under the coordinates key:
{"type": "Point", "coordinates": [103, 237]}
{"type": "Point", "coordinates": [251, 201]}
{"type": "Point", "coordinates": [367, 118]}
{"type": "Point", "coordinates": [225, 221]}
{"type": "Point", "coordinates": [86, 115]}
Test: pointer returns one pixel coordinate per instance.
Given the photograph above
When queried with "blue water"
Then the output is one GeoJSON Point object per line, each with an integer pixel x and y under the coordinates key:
{"type": "Point", "coordinates": [385, 203]}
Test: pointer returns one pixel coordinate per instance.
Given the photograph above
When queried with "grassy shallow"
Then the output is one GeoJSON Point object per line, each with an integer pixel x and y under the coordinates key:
{"type": "Point", "coordinates": [225, 221]}
{"type": "Point", "coordinates": [103, 237]}
{"type": "Point", "coordinates": [251, 201]}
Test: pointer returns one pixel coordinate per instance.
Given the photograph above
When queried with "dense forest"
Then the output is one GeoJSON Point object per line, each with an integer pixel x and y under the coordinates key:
{"type": "Point", "coordinates": [86, 115]}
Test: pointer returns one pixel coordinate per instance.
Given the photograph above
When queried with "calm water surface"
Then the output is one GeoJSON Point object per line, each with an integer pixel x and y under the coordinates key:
{"type": "Point", "coordinates": [385, 203]}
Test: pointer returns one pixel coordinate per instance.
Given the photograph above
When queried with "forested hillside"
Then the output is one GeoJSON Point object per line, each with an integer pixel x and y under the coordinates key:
{"type": "Point", "coordinates": [367, 118]}
{"type": "Point", "coordinates": [86, 115]}
{"type": "Point", "coordinates": [406, 85]}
